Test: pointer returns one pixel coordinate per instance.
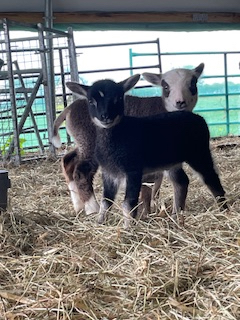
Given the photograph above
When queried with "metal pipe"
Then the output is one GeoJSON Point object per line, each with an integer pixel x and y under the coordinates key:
{"type": "Point", "coordinates": [47, 95]}
{"type": "Point", "coordinates": [116, 44]}
{"type": "Point", "coordinates": [48, 14]}
{"type": "Point", "coordinates": [58, 32]}
{"type": "Point", "coordinates": [159, 55]}
{"type": "Point", "coordinates": [131, 61]}
{"type": "Point", "coordinates": [72, 56]}
{"type": "Point", "coordinates": [64, 94]}
{"type": "Point", "coordinates": [26, 112]}
{"type": "Point", "coordinates": [119, 69]}
{"type": "Point", "coordinates": [226, 93]}
{"type": "Point", "coordinates": [50, 66]}
{"type": "Point", "coordinates": [12, 94]}
{"type": "Point", "coordinates": [49, 53]}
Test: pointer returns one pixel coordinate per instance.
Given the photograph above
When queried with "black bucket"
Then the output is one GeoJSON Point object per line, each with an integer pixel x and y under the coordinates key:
{"type": "Point", "coordinates": [5, 183]}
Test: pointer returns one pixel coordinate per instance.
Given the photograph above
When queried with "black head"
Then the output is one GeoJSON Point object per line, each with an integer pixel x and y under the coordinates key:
{"type": "Point", "coordinates": [105, 99]}
{"type": "Point", "coordinates": [106, 103]}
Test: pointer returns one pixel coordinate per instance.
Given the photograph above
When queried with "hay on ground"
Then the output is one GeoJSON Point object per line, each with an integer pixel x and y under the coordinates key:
{"type": "Point", "coordinates": [55, 264]}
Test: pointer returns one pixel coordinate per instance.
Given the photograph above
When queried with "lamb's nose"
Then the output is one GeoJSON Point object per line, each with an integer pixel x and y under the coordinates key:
{"type": "Point", "coordinates": [105, 118]}
{"type": "Point", "coordinates": [180, 105]}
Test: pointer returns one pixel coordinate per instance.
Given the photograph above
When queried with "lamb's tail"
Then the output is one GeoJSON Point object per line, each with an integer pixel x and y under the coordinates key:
{"type": "Point", "coordinates": [56, 140]}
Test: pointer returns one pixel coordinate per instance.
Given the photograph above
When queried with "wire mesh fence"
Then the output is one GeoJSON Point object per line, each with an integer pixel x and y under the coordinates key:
{"type": "Point", "coordinates": [28, 78]}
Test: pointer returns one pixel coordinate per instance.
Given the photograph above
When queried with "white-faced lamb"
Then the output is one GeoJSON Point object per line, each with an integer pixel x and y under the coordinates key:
{"type": "Point", "coordinates": [128, 149]}
{"type": "Point", "coordinates": [179, 87]}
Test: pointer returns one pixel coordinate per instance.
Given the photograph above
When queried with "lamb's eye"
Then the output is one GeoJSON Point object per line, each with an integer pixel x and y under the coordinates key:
{"type": "Point", "coordinates": [193, 86]}
{"type": "Point", "coordinates": [92, 102]}
{"type": "Point", "coordinates": [117, 99]}
{"type": "Point", "coordinates": [166, 88]}
{"type": "Point", "coordinates": [165, 85]}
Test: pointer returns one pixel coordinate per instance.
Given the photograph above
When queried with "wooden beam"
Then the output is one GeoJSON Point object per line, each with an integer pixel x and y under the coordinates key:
{"type": "Point", "coordinates": [147, 17]}
{"type": "Point", "coordinates": [125, 17]}
{"type": "Point", "coordinates": [23, 17]}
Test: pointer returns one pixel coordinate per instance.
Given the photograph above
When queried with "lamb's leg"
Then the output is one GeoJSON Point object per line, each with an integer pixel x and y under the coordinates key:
{"type": "Point", "coordinates": [180, 184]}
{"type": "Point", "coordinates": [145, 198]}
{"type": "Point", "coordinates": [68, 166]}
{"type": "Point", "coordinates": [110, 188]}
{"type": "Point", "coordinates": [79, 176]}
{"type": "Point", "coordinates": [157, 184]}
{"type": "Point", "coordinates": [83, 177]}
{"type": "Point", "coordinates": [156, 188]}
{"type": "Point", "coordinates": [133, 186]}
{"type": "Point", "coordinates": [147, 195]}
{"type": "Point", "coordinates": [205, 167]}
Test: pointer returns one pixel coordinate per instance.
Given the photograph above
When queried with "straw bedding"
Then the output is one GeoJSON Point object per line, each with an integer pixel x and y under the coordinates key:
{"type": "Point", "coordinates": [55, 264]}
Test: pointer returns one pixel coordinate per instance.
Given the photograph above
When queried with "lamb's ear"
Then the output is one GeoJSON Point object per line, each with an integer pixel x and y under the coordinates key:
{"type": "Point", "coordinates": [79, 89]}
{"type": "Point", "coordinates": [153, 78]}
{"type": "Point", "coordinates": [198, 70]}
{"type": "Point", "coordinates": [130, 82]}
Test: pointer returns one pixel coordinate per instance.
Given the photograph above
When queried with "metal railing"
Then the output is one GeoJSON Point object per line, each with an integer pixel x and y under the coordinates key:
{"type": "Point", "coordinates": [67, 63]}
{"type": "Point", "coordinates": [215, 121]}
{"type": "Point", "coordinates": [36, 83]}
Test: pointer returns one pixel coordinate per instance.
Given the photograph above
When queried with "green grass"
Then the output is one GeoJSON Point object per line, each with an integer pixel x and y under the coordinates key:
{"type": "Point", "coordinates": [213, 109]}
{"type": "Point", "coordinates": [208, 107]}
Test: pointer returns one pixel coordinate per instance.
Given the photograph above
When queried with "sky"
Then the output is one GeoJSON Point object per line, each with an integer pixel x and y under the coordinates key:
{"type": "Point", "coordinates": [169, 42]}
{"type": "Point", "coordinates": [92, 59]}
{"type": "Point", "coordinates": [212, 40]}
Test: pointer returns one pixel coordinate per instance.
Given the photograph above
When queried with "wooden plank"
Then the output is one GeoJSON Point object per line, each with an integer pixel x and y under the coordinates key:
{"type": "Point", "coordinates": [126, 17]}
{"type": "Point", "coordinates": [149, 17]}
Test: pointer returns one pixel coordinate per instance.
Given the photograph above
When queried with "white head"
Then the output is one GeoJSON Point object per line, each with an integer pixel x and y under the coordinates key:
{"type": "Point", "coordinates": [179, 87]}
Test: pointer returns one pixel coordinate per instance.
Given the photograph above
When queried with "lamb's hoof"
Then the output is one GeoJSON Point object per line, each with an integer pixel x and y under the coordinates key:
{"type": "Point", "coordinates": [101, 219]}
{"type": "Point", "coordinates": [78, 204]}
{"type": "Point", "coordinates": [142, 214]}
{"type": "Point", "coordinates": [163, 211]}
{"type": "Point", "coordinates": [144, 217]}
{"type": "Point", "coordinates": [126, 224]}
{"type": "Point", "coordinates": [91, 206]}
{"type": "Point", "coordinates": [222, 202]}
{"type": "Point", "coordinates": [178, 218]}
{"type": "Point", "coordinates": [77, 207]}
